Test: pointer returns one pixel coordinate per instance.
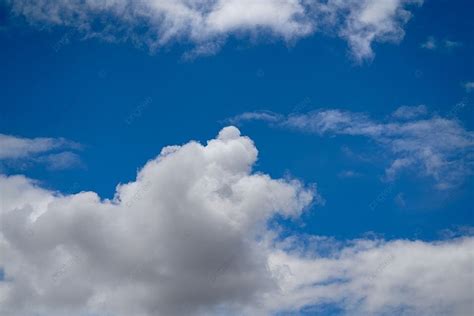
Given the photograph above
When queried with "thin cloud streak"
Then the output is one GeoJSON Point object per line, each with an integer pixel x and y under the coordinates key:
{"type": "Point", "coordinates": [55, 153]}
{"type": "Point", "coordinates": [437, 147]}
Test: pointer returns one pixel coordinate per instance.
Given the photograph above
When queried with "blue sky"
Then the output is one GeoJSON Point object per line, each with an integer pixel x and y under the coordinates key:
{"type": "Point", "coordinates": [117, 103]}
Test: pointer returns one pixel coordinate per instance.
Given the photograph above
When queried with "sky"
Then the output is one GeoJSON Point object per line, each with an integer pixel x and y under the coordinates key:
{"type": "Point", "coordinates": [224, 157]}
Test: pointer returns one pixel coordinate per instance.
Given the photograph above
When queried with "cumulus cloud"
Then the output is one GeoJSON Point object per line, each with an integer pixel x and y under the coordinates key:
{"type": "Point", "coordinates": [207, 23]}
{"type": "Point", "coordinates": [183, 237]}
{"type": "Point", "coordinates": [368, 21]}
{"type": "Point", "coordinates": [190, 237]}
{"type": "Point", "coordinates": [438, 147]}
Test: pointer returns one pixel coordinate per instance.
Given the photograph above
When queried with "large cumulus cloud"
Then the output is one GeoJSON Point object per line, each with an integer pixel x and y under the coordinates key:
{"type": "Point", "coordinates": [189, 236]}
{"type": "Point", "coordinates": [184, 235]}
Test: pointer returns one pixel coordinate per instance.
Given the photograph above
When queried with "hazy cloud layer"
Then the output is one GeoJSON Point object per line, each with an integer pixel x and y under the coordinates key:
{"type": "Point", "coordinates": [433, 146]}
{"type": "Point", "coordinates": [189, 237]}
{"type": "Point", "coordinates": [206, 24]}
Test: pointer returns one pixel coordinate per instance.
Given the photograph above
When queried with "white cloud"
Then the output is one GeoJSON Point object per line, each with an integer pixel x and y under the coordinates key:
{"type": "Point", "coordinates": [469, 86]}
{"type": "Point", "coordinates": [365, 277]}
{"type": "Point", "coordinates": [452, 44]}
{"type": "Point", "coordinates": [410, 112]}
{"type": "Point", "coordinates": [396, 166]}
{"type": "Point", "coordinates": [21, 152]}
{"type": "Point", "coordinates": [372, 21]}
{"type": "Point", "coordinates": [266, 116]}
{"type": "Point", "coordinates": [432, 43]}
{"type": "Point", "coordinates": [182, 237]}
{"type": "Point", "coordinates": [207, 23]}
{"type": "Point", "coordinates": [438, 147]}
{"type": "Point", "coordinates": [190, 236]}
{"type": "Point", "coordinates": [349, 174]}
{"type": "Point", "coordinates": [13, 147]}
{"type": "Point", "coordinates": [61, 161]}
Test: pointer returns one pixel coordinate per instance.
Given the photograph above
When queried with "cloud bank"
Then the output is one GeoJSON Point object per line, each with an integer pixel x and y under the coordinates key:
{"type": "Point", "coordinates": [189, 236]}
{"type": "Point", "coordinates": [206, 24]}
{"type": "Point", "coordinates": [433, 146]}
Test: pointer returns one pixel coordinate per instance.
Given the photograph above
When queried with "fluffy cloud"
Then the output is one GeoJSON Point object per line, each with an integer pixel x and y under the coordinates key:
{"type": "Point", "coordinates": [374, 277]}
{"type": "Point", "coordinates": [437, 147]}
{"type": "Point", "coordinates": [183, 236]}
{"type": "Point", "coordinates": [190, 236]}
{"type": "Point", "coordinates": [207, 23]}
{"type": "Point", "coordinates": [368, 21]}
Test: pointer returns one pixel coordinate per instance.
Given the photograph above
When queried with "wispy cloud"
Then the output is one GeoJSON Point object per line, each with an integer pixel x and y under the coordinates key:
{"type": "Point", "coordinates": [452, 44]}
{"type": "Point", "coordinates": [469, 86]}
{"type": "Point", "coordinates": [208, 23]}
{"type": "Point", "coordinates": [432, 43]}
{"type": "Point", "coordinates": [54, 152]}
{"type": "Point", "coordinates": [265, 116]}
{"type": "Point", "coordinates": [19, 147]}
{"type": "Point", "coordinates": [434, 146]}
{"type": "Point", "coordinates": [349, 174]}
{"type": "Point", "coordinates": [410, 112]}
{"type": "Point", "coordinates": [61, 161]}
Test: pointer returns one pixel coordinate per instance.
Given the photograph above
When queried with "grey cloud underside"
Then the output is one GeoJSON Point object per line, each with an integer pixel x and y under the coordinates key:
{"type": "Point", "coordinates": [434, 146]}
{"type": "Point", "coordinates": [189, 237]}
{"type": "Point", "coordinates": [207, 23]}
